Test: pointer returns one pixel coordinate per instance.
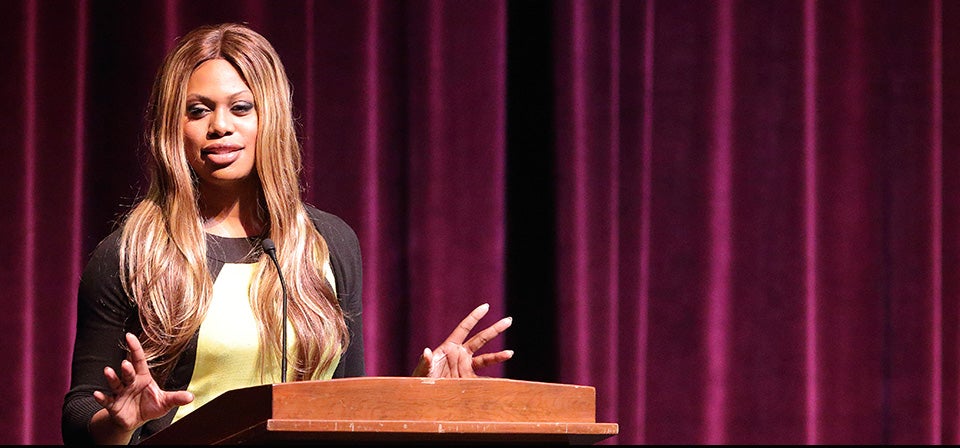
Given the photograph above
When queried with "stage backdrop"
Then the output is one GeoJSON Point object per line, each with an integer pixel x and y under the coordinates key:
{"type": "Point", "coordinates": [738, 220]}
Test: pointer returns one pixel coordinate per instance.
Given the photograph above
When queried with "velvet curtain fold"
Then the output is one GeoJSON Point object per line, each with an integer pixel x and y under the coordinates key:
{"type": "Point", "coordinates": [754, 219]}
{"type": "Point", "coordinates": [735, 219]}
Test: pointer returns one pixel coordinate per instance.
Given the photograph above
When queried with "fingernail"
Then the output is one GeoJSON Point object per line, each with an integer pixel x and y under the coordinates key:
{"type": "Point", "coordinates": [509, 353]}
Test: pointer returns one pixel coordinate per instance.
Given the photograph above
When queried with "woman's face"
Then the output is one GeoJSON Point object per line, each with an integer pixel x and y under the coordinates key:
{"type": "Point", "coordinates": [220, 125]}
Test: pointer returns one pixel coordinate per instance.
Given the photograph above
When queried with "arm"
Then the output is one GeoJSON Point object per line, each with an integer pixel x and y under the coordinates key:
{"type": "Point", "coordinates": [345, 260]}
{"type": "Point", "coordinates": [104, 316]}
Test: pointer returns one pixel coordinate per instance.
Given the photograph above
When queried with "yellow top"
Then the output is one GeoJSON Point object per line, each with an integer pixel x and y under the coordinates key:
{"type": "Point", "coordinates": [228, 345]}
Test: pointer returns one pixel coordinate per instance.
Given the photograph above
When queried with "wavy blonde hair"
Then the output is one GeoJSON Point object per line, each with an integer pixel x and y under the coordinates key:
{"type": "Point", "coordinates": [163, 250]}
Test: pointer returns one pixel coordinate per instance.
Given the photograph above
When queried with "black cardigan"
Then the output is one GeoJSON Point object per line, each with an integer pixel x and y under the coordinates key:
{"type": "Point", "coordinates": [105, 313]}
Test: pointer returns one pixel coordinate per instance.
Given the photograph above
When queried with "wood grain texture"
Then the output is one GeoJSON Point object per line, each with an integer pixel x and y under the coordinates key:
{"type": "Point", "coordinates": [421, 399]}
{"type": "Point", "coordinates": [395, 409]}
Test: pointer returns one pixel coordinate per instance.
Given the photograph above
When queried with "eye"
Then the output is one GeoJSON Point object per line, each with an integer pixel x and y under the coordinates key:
{"type": "Point", "coordinates": [197, 111]}
{"type": "Point", "coordinates": [242, 108]}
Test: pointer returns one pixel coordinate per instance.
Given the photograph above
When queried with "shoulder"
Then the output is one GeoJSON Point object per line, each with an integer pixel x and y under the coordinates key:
{"type": "Point", "coordinates": [344, 250]}
{"type": "Point", "coordinates": [335, 230]}
{"type": "Point", "coordinates": [100, 285]}
{"type": "Point", "coordinates": [104, 261]}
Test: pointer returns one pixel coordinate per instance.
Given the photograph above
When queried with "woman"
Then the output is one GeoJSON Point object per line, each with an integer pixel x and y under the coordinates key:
{"type": "Point", "coordinates": [180, 304]}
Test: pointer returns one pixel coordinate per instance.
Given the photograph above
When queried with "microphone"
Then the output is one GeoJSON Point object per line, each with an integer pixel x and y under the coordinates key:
{"type": "Point", "coordinates": [271, 249]}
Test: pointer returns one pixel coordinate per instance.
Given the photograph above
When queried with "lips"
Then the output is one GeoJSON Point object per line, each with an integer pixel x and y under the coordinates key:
{"type": "Point", "coordinates": [221, 154]}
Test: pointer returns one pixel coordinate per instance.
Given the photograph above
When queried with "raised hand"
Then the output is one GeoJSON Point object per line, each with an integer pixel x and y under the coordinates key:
{"type": "Point", "coordinates": [455, 358]}
{"type": "Point", "coordinates": [136, 398]}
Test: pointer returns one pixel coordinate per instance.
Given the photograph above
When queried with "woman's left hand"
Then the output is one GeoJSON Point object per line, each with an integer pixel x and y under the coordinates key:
{"type": "Point", "coordinates": [455, 358]}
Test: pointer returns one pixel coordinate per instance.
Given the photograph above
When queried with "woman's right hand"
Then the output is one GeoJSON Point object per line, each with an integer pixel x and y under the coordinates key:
{"type": "Point", "coordinates": [136, 398]}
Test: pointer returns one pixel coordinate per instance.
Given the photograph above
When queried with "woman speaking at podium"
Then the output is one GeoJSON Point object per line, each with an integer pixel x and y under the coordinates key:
{"type": "Point", "coordinates": [184, 301]}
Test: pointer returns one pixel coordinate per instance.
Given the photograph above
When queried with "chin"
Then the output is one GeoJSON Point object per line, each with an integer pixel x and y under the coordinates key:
{"type": "Point", "coordinates": [227, 179]}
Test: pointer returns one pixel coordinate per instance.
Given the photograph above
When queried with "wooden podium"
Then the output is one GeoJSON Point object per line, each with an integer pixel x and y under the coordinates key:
{"type": "Point", "coordinates": [394, 410]}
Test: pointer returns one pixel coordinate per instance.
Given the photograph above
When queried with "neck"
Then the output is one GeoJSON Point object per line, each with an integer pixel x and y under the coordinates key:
{"type": "Point", "coordinates": [231, 211]}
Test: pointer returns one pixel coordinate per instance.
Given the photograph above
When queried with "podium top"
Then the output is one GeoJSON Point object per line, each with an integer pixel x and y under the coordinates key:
{"type": "Point", "coordinates": [372, 408]}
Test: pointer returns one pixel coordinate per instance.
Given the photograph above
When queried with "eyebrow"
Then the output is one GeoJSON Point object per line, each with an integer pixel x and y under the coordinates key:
{"type": "Point", "coordinates": [197, 96]}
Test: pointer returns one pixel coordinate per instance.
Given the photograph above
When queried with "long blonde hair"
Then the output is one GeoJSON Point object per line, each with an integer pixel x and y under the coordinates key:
{"type": "Point", "coordinates": [163, 249]}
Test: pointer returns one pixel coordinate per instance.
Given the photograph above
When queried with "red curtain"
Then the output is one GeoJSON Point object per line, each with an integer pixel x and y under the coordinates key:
{"type": "Point", "coordinates": [735, 219]}
{"type": "Point", "coordinates": [754, 219]}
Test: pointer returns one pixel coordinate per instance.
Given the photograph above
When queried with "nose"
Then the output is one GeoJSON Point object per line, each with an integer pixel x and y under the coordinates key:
{"type": "Point", "coordinates": [221, 123]}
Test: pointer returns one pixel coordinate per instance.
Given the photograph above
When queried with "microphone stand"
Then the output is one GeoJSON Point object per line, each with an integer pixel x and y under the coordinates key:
{"type": "Point", "coordinates": [271, 249]}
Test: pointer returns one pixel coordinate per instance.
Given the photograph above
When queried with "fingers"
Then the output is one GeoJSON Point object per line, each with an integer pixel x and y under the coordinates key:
{"type": "Point", "coordinates": [118, 383]}
{"type": "Point", "coordinates": [489, 359]}
{"type": "Point", "coordinates": [102, 399]}
{"type": "Point", "coordinates": [454, 358]}
{"type": "Point", "coordinates": [177, 398]}
{"type": "Point", "coordinates": [112, 379]}
{"type": "Point", "coordinates": [452, 361]}
{"type": "Point", "coordinates": [455, 361]}
{"type": "Point", "coordinates": [127, 373]}
{"type": "Point", "coordinates": [136, 355]}
{"type": "Point", "coordinates": [423, 367]}
{"type": "Point", "coordinates": [480, 339]}
{"type": "Point", "coordinates": [466, 325]}
{"type": "Point", "coordinates": [126, 377]}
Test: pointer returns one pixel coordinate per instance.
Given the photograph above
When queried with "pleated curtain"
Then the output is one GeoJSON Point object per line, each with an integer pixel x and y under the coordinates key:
{"type": "Point", "coordinates": [737, 220]}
